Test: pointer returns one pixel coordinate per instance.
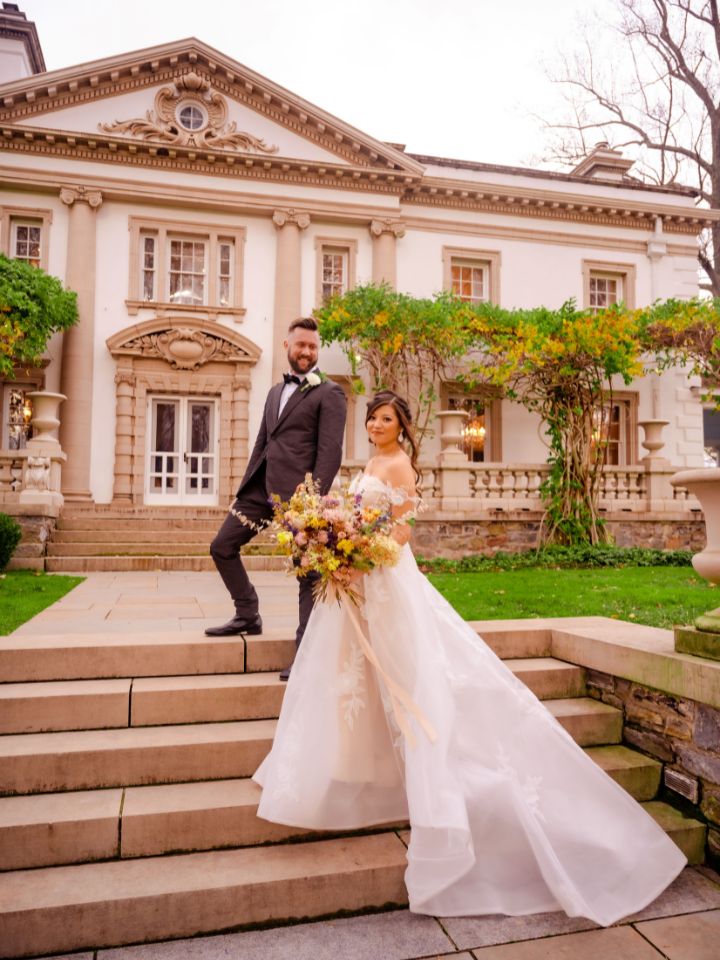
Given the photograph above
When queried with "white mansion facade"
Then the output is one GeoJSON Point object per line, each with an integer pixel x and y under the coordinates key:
{"type": "Point", "coordinates": [197, 207]}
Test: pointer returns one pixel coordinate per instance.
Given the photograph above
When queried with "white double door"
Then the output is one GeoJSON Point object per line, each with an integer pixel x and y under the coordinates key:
{"type": "Point", "coordinates": [183, 451]}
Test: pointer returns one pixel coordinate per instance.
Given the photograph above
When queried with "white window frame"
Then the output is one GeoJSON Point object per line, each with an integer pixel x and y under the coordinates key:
{"type": "Point", "coordinates": [11, 217]}
{"type": "Point", "coordinates": [486, 260]}
{"type": "Point", "coordinates": [347, 248]}
{"type": "Point", "coordinates": [623, 273]}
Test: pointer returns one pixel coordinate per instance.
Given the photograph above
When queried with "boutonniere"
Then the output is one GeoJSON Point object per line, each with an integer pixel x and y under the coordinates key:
{"type": "Point", "coordinates": [313, 379]}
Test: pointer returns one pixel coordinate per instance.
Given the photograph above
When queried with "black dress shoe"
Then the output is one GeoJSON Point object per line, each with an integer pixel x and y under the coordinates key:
{"type": "Point", "coordinates": [236, 626]}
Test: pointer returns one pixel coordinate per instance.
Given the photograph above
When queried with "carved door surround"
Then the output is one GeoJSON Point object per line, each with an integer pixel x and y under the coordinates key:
{"type": "Point", "coordinates": [186, 356]}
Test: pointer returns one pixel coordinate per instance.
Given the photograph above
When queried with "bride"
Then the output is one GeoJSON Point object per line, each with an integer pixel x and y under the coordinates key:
{"type": "Point", "coordinates": [508, 814]}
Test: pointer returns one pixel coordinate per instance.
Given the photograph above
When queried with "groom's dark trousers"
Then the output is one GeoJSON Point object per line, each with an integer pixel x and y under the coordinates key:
{"type": "Point", "coordinates": [252, 503]}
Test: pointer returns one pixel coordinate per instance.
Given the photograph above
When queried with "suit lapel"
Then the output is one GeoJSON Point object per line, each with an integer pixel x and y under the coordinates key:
{"type": "Point", "coordinates": [274, 406]}
{"type": "Point", "coordinates": [295, 400]}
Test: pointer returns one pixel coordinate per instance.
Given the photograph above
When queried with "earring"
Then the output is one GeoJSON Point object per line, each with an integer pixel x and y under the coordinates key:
{"type": "Point", "coordinates": [401, 437]}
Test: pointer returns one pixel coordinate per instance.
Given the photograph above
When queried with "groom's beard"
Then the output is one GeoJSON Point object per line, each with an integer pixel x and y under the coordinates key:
{"type": "Point", "coordinates": [300, 366]}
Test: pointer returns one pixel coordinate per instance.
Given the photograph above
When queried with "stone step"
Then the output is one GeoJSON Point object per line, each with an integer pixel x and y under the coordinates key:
{"type": "Point", "coordinates": [48, 910]}
{"type": "Point", "coordinates": [139, 533]}
{"type": "Point", "coordinates": [130, 901]}
{"type": "Point", "coordinates": [90, 759]}
{"type": "Point", "coordinates": [28, 657]}
{"type": "Point", "coordinates": [74, 827]}
{"type": "Point", "coordinates": [86, 564]}
{"type": "Point", "coordinates": [150, 548]}
{"type": "Point", "coordinates": [146, 701]}
{"type": "Point", "coordinates": [159, 518]}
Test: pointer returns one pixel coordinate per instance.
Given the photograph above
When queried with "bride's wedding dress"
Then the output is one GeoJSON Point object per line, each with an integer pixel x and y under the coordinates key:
{"type": "Point", "coordinates": [508, 814]}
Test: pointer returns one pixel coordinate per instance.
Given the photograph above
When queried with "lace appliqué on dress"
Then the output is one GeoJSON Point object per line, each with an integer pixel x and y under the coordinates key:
{"type": "Point", "coordinates": [351, 685]}
{"type": "Point", "coordinates": [286, 774]}
{"type": "Point", "coordinates": [528, 787]}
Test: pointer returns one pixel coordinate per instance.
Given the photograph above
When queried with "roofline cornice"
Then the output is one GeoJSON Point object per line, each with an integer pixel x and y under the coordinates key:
{"type": "Point", "coordinates": [107, 77]}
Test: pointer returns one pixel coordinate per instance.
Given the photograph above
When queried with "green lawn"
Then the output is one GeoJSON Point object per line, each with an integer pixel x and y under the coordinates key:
{"type": "Point", "coordinates": [658, 596]}
{"type": "Point", "coordinates": [23, 593]}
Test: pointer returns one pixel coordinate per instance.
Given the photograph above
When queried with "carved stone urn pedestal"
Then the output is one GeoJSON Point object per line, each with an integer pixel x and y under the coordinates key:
{"type": "Point", "coordinates": [703, 638]}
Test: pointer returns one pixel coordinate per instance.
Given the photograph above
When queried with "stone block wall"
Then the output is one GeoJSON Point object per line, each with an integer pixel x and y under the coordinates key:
{"type": "Point", "coordinates": [37, 525]}
{"type": "Point", "coordinates": [682, 734]}
{"type": "Point", "coordinates": [435, 536]}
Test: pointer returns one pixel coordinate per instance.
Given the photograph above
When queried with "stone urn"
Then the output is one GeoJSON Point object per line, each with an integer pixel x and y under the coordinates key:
{"type": "Point", "coordinates": [703, 639]}
{"type": "Point", "coordinates": [45, 420]}
{"type": "Point", "coordinates": [653, 441]}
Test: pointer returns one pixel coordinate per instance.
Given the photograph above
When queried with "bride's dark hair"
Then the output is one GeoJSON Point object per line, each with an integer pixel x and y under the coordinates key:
{"type": "Point", "coordinates": [402, 411]}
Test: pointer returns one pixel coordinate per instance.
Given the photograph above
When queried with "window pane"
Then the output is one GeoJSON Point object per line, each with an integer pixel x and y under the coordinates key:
{"type": "Point", "coordinates": [469, 281]}
{"type": "Point", "coordinates": [187, 271]}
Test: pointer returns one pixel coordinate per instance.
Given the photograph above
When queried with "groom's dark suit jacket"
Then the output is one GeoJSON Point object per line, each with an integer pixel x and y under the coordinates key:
{"type": "Point", "coordinates": [306, 438]}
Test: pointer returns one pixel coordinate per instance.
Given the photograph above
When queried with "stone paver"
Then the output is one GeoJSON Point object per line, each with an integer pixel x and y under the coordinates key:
{"type": "Point", "coordinates": [694, 937]}
{"type": "Point", "coordinates": [615, 943]}
{"type": "Point", "coordinates": [398, 935]}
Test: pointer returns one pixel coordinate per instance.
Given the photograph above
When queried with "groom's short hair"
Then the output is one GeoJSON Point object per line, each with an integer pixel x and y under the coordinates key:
{"type": "Point", "coordinates": [304, 323]}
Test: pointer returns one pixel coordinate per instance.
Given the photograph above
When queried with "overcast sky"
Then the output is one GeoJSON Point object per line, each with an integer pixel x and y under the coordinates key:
{"type": "Point", "coordinates": [456, 78]}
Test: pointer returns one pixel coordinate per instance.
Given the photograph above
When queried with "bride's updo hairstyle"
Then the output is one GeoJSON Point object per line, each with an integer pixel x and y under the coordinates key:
{"type": "Point", "coordinates": [402, 412]}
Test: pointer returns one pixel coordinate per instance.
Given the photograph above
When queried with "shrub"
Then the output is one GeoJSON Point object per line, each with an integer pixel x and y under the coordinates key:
{"type": "Point", "coordinates": [584, 555]}
{"type": "Point", "coordinates": [10, 534]}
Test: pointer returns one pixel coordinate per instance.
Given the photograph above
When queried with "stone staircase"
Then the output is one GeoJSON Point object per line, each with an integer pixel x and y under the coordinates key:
{"type": "Point", "coordinates": [127, 813]}
{"type": "Point", "coordinates": [96, 538]}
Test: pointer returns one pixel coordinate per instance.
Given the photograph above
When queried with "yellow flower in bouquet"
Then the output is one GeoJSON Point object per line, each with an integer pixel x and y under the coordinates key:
{"type": "Point", "coordinates": [334, 535]}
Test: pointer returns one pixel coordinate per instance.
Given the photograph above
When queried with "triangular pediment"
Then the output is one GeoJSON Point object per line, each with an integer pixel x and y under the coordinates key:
{"type": "Point", "coordinates": [187, 95]}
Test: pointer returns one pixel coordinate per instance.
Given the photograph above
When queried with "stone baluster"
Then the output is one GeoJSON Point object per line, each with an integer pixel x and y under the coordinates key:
{"type": "Point", "coordinates": [385, 234]}
{"type": "Point", "coordinates": [78, 344]}
{"type": "Point", "coordinates": [521, 483]}
{"type": "Point", "coordinates": [288, 302]}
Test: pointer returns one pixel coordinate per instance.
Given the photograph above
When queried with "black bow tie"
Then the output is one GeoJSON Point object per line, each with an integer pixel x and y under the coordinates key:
{"type": "Point", "coordinates": [291, 378]}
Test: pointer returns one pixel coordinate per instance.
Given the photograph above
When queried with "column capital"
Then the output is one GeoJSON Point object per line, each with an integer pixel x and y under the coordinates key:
{"type": "Point", "coordinates": [93, 197]}
{"type": "Point", "coordinates": [125, 376]}
{"type": "Point", "coordinates": [387, 225]}
{"type": "Point", "coordinates": [290, 215]}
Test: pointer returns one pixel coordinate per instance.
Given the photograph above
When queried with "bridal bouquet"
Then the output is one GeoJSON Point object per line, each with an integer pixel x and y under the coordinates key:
{"type": "Point", "coordinates": [334, 535]}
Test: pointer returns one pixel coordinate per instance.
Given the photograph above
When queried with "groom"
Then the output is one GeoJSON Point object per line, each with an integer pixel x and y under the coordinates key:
{"type": "Point", "coordinates": [301, 432]}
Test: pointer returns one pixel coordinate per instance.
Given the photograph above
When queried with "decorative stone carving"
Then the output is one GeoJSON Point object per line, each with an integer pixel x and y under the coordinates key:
{"type": "Point", "coordinates": [282, 217]}
{"type": "Point", "coordinates": [185, 348]}
{"type": "Point", "coordinates": [37, 476]}
{"type": "Point", "coordinates": [125, 376]}
{"type": "Point", "coordinates": [69, 195]}
{"type": "Point", "coordinates": [387, 225]}
{"type": "Point", "coordinates": [175, 122]}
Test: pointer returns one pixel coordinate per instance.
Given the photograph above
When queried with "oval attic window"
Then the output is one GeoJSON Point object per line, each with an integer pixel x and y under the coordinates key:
{"type": "Point", "coordinates": [192, 116]}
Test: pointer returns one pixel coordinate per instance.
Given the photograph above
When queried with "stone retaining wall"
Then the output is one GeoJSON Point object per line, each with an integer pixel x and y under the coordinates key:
{"type": "Point", "coordinates": [682, 734]}
{"type": "Point", "coordinates": [37, 524]}
{"type": "Point", "coordinates": [435, 536]}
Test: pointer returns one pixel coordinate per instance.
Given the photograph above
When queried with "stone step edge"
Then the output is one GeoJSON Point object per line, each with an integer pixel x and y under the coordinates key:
{"type": "Point", "coordinates": [170, 897]}
{"type": "Point", "coordinates": [40, 818]}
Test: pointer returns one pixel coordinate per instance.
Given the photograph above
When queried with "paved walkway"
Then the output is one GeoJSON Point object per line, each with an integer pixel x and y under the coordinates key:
{"type": "Point", "coordinates": [682, 924]}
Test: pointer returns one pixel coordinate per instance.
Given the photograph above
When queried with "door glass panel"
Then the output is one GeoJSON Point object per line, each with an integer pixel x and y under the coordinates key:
{"type": "Point", "coordinates": [200, 470]}
{"type": "Point", "coordinates": [164, 459]}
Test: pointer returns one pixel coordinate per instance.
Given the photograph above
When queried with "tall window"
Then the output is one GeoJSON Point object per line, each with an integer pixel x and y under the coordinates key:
{"type": "Point", "coordinates": [194, 268]}
{"type": "Point", "coordinates": [470, 281]}
{"type": "Point", "coordinates": [334, 272]}
{"type": "Point", "coordinates": [27, 242]}
{"type": "Point", "coordinates": [616, 430]}
{"type": "Point", "coordinates": [335, 267]}
{"type": "Point", "coordinates": [481, 440]}
{"type": "Point", "coordinates": [187, 272]}
{"type": "Point", "coordinates": [17, 413]}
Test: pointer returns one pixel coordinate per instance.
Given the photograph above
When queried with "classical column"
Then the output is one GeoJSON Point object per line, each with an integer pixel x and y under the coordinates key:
{"type": "Point", "coordinates": [78, 342]}
{"type": "Point", "coordinates": [385, 234]}
{"type": "Point", "coordinates": [289, 223]}
{"type": "Point", "coordinates": [124, 432]}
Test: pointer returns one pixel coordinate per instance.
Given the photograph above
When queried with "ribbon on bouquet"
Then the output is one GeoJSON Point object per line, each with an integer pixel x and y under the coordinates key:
{"type": "Point", "coordinates": [400, 700]}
